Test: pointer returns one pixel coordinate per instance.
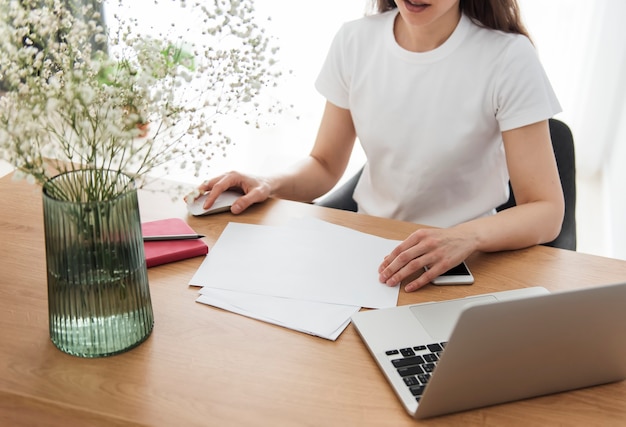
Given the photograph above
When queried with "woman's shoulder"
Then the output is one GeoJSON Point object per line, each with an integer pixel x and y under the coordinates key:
{"type": "Point", "coordinates": [488, 37]}
{"type": "Point", "coordinates": [492, 47]}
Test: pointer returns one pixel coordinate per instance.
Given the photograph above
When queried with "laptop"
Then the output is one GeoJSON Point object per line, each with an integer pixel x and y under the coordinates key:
{"type": "Point", "coordinates": [456, 355]}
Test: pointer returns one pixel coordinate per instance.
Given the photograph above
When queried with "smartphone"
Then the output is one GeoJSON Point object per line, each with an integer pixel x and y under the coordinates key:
{"type": "Point", "coordinates": [459, 275]}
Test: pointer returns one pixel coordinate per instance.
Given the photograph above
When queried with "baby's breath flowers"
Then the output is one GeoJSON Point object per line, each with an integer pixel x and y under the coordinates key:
{"type": "Point", "coordinates": [85, 88]}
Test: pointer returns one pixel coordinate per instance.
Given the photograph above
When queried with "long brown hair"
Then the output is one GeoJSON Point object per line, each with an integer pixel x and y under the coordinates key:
{"type": "Point", "coordinates": [502, 15]}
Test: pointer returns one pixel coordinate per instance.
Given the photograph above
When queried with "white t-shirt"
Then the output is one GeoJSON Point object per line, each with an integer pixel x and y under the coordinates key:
{"type": "Point", "coordinates": [430, 123]}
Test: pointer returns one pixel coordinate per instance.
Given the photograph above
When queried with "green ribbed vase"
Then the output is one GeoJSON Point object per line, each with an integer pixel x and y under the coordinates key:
{"type": "Point", "coordinates": [98, 296]}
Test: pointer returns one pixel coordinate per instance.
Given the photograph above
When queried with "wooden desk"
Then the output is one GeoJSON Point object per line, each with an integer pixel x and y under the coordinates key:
{"type": "Point", "coordinates": [203, 366]}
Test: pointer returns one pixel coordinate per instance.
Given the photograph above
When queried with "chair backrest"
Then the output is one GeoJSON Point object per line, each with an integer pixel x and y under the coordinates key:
{"type": "Point", "coordinates": [341, 197]}
{"type": "Point", "coordinates": [563, 144]}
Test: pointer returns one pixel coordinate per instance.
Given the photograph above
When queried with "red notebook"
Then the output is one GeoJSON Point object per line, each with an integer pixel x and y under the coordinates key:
{"type": "Point", "coordinates": [162, 252]}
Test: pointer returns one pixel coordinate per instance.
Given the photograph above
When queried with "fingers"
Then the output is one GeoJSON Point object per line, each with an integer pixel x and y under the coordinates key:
{"type": "Point", "coordinates": [404, 260]}
{"type": "Point", "coordinates": [202, 189]}
{"type": "Point", "coordinates": [432, 248]}
{"type": "Point", "coordinates": [423, 280]}
{"type": "Point", "coordinates": [208, 185]}
{"type": "Point", "coordinates": [401, 266]}
{"type": "Point", "coordinates": [218, 185]}
{"type": "Point", "coordinates": [247, 200]}
{"type": "Point", "coordinates": [254, 190]}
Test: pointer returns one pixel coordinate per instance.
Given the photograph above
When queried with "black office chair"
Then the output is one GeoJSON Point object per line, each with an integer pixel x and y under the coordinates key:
{"type": "Point", "coordinates": [563, 144]}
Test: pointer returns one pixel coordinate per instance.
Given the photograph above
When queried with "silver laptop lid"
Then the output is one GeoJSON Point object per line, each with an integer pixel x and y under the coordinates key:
{"type": "Point", "coordinates": [523, 348]}
{"type": "Point", "coordinates": [418, 324]}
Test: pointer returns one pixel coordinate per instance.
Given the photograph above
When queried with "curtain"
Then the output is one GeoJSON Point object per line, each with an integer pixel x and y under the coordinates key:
{"type": "Point", "coordinates": [583, 48]}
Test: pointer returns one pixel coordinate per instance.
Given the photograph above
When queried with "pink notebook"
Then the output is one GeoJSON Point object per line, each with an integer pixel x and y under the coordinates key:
{"type": "Point", "coordinates": [165, 251]}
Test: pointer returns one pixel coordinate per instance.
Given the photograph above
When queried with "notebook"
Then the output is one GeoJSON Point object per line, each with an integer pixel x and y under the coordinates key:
{"type": "Point", "coordinates": [499, 347]}
{"type": "Point", "coordinates": [163, 252]}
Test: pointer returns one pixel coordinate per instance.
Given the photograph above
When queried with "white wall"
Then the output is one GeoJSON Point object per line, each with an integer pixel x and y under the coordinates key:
{"type": "Point", "coordinates": [304, 34]}
{"type": "Point", "coordinates": [615, 188]}
{"type": "Point", "coordinates": [582, 46]}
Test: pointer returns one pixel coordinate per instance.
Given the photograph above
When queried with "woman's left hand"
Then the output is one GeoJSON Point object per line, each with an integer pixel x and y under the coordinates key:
{"type": "Point", "coordinates": [437, 249]}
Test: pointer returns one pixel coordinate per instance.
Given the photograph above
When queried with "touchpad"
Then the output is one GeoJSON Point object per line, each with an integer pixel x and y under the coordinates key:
{"type": "Point", "coordinates": [439, 318]}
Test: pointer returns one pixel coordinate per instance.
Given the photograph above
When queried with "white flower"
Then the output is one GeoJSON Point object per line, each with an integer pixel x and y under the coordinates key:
{"type": "Point", "coordinates": [84, 93]}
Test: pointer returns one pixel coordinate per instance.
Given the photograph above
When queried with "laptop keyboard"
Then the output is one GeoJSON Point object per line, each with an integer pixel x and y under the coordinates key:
{"type": "Point", "coordinates": [415, 365]}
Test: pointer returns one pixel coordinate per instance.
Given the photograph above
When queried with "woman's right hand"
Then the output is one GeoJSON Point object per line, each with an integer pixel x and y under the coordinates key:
{"type": "Point", "coordinates": [255, 190]}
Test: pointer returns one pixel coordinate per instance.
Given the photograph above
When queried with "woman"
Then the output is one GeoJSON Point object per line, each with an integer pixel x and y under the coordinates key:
{"type": "Point", "coordinates": [449, 101]}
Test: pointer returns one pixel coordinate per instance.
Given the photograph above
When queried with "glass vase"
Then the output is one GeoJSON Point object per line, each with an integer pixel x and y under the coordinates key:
{"type": "Point", "coordinates": [98, 296]}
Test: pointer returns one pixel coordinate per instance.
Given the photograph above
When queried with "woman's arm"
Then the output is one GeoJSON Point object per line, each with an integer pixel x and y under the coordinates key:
{"type": "Point", "coordinates": [315, 175]}
{"type": "Point", "coordinates": [538, 214]}
{"type": "Point", "coordinates": [306, 180]}
{"type": "Point", "coordinates": [536, 218]}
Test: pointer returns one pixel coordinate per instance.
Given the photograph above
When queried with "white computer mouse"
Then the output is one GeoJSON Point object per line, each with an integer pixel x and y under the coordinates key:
{"type": "Point", "coordinates": [223, 203]}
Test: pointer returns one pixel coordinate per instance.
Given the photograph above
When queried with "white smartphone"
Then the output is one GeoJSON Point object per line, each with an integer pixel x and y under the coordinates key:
{"type": "Point", "coordinates": [459, 275]}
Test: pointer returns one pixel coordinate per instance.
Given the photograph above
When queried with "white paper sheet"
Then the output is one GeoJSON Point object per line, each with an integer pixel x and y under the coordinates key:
{"type": "Point", "coordinates": [308, 275]}
{"type": "Point", "coordinates": [319, 319]}
{"type": "Point", "coordinates": [313, 261]}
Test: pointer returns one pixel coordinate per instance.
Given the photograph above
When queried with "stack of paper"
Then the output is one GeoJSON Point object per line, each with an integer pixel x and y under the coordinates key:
{"type": "Point", "coordinates": [308, 275]}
